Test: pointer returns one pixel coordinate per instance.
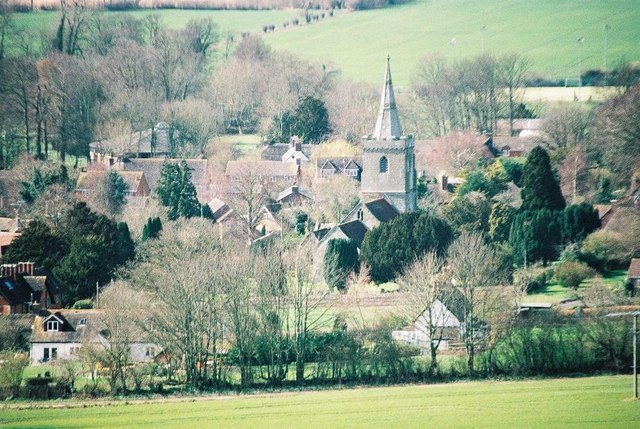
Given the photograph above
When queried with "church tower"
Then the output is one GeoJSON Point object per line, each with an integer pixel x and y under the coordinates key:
{"type": "Point", "coordinates": [388, 160]}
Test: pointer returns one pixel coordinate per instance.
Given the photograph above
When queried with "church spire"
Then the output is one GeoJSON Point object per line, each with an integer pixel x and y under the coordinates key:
{"type": "Point", "coordinates": [388, 123]}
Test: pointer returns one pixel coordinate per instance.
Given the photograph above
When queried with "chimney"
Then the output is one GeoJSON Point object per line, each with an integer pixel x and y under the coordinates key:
{"type": "Point", "coordinates": [18, 225]}
{"type": "Point", "coordinates": [9, 270]}
{"type": "Point", "coordinates": [30, 268]}
{"type": "Point", "coordinates": [444, 181]}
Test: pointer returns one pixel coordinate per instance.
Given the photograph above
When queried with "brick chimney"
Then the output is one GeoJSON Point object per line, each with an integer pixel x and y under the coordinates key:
{"type": "Point", "coordinates": [9, 270]}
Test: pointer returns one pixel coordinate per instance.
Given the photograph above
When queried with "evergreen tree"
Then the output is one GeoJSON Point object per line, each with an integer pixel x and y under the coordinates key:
{"type": "Point", "coordinates": [152, 228]}
{"type": "Point", "coordinates": [388, 248]}
{"type": "Point", "coordinates": [38, 244]}
{"type": "Point", "coordinates": [340, 260]}
{"type": "Point", "coordinates": [500, 221]}
{"type": "Point", "coordinates": [578, 221]}
{"type": "Point", "coordinates": [114, 193]}
{"type": "Point", "coordinates": [311, 120]}
{"type": "Point", "coordinates": [540, 190]}
{"type": "Point", "coordinates": [535, 236]}
{"type": "Point", "coordinates": [177, 192]}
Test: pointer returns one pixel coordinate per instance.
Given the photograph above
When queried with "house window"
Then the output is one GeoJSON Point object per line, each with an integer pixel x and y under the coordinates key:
{"type": "Point", "coordinates": [82, 322]}
{"type": "Point", "coordinates": [352, 172]}
{"type": "Point", "coordinates": [327, 172]}
{"type": "Point", "coordinates": [384, 164]}
{"type": "Point", "coordinates": [150, 352]}
{"type": "Point", "coordinates": [360, 214]}
{"type": "Point", "coordinates": [54, 353]}
{"type": "Point", "coordinates": [272, 179]}
{"type": "Point", "coordinates": [235, 178]}
{"type": "Point", "coordinates": [45, 356]}
{"type": "Point", "coordinates": [52, 325]}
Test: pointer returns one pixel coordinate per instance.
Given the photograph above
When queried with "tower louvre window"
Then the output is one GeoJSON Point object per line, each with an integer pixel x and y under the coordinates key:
{"type": "Point", "coordinates": [384, 164]}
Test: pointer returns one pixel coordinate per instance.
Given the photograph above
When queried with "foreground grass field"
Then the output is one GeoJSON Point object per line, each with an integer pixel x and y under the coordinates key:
{"type": "Point", "coordinates": [594, 402]}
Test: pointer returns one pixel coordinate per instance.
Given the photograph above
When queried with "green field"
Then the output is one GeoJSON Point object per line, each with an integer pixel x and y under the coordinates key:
{"type": "Point", "coordinates": [594, 402]}
{"type": "Point", "coordinates": [546, 31]}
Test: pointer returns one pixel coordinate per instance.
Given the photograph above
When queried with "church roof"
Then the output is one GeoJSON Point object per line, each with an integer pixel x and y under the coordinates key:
{"type": "Point", "coordinates": [388, 123]}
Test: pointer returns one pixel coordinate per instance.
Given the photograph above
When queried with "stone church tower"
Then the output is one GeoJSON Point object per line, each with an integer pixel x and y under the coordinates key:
{"type": "Point", "coordinates": [388, 160]}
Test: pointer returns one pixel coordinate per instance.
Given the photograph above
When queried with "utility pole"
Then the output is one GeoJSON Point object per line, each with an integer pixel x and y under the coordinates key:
{"type": "Point", "coordinates": [483, 30]}
{"type": "Point", "coordinates": [607, 27]}
{"type": "Point", "coordinates": [581, 44]}
{"type": "Point", "coordinates": [635, 355]}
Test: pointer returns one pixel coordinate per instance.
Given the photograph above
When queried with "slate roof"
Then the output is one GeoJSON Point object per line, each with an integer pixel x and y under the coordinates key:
{"type": "Point", "coordinates": [90, 180]}
{"type": "Point", "coordinates": [382, 210]}
{"type": "Point", "coordinates": [152, 168]}
{"type": "Point", "coordinates": [355, 230]}
{"type": "Point", "coordinates": [439, 154]}
{"type": "Point", "coordinates": [339, 164]}
{"type": "Point", "coordinates": [634, 268]}
{"type": "Point", "coordinates": [71, 330]}
{"type": "Point", "coordinates": [15, 291]}
{"type": "Point", "coordinates": [276, 151]}
{"type": "Point", "coordinates": [219, 208]}
{"type": "Point", "coordinates": [293, 190]}
{"type": "Point", "coordinates": [261, 168]}
{"type": "Point", "coordinates": [137, 142]}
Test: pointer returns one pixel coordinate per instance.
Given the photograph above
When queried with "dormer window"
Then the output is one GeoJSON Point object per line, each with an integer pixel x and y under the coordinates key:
{"type": "Point", "coordinates": [82, 322]}
{"type": "Point", "coordinates": [53, 325]}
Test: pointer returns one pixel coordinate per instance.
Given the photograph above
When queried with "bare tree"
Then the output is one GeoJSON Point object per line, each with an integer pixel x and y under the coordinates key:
{"type": "Point", "coordinates": [308, 304]}
{"type": "Point", "coordinates": [184, 272]}
{"type": "Point", "coordinates": [335, 196]}
{"type": "Point", "coordinates": [424, 285]}
{"type": "Point", "coordinates": [124, 311]}
{"type": "Point", "coordinates": [567, 125]}
{"type": "Point", "coordinates": [513, 71]}
{"type": "Point", "coordinates": [248, 195]}
{"type": "Point", "coordinates": [476, 270]}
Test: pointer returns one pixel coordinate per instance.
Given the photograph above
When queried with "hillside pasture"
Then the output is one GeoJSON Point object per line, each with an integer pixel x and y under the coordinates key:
{"type": "Point", "coordinates": [355, 44]}
{"type": "Point", "coordinates": [593, 402]}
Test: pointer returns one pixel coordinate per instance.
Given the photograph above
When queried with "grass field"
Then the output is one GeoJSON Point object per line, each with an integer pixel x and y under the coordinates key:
{"type": "Point", "coordinates": [594, 402]}
{"type": "Point", "coordinates": [356, 43]}
{"type": "Point", "coordinates": [546, 31]}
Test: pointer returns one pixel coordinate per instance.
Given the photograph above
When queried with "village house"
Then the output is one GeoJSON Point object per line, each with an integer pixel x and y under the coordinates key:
{"type": "Point", "coordinates": [150, 143]}
{"type": "Point", "coordinates": [350, 167]}
{"type": "Point", "coordinates": [287, 152]}
{"type": "Point", "coordinates": [60, 335]}
{"type": "Point", "coordinates": [633, 275]}
{"type": "Point", "coordinates": [442, 321]}
{"type": "Point", "coordinates": [270, 173]}
{"type": "Point", "coordinates": [23, 287]}
{"type": "Point", "coordinates": [10, 229]}
{"type": "Point", "coordinates": [90, 181]}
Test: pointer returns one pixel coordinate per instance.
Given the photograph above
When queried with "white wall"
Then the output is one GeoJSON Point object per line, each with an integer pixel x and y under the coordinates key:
{"type": "Point", "coordinates": [63, 351]}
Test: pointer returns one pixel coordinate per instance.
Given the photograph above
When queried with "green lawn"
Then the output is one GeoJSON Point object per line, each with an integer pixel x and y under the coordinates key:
{"type": "Point", "coordinates": [246, 144]}
{"type": "Point", "coordinates": [554, 292]}
{"type": "Point", "coordinates": [594, 402]}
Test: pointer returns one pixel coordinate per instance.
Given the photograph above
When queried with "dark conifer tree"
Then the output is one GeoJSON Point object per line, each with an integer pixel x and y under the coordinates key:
{"type": "Point", "coordinates": [540, 190]}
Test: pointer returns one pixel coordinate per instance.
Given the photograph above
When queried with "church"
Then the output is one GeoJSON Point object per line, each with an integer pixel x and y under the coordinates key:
{"type": "Point", "coordinates": [388, 186]}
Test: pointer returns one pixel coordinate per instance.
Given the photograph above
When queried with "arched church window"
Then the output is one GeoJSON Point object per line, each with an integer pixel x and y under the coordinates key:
{"type": "Point", "coordinates": [384, 164]}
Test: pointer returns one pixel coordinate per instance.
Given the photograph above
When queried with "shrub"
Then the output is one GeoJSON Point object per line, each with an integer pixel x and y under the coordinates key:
{"type": "Point", "coordinates": [605, 250]}
{"type": "Point", "coordinates": [532, 279]}
{"type": "Point", "coordinates": [83, 304]}
{"type": "Point", "coordinates": [571, 274]}
{"type": "Point", "coordinates": [12, 367]}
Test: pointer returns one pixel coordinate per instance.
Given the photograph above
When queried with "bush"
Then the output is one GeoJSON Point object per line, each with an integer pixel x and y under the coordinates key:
{"type": "Point", "coordinates": [605, 250]}
{"type": "Point", "coordinates": [83, 304]}
{"type": "Point", "coordinates": [532, 279]}
{"type": "Point", "coordinates": [12, 367]}
{"type": "Point", "coordinates": [571, 274]}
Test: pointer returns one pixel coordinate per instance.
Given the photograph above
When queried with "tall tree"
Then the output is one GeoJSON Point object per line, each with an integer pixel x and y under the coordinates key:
{"type": "Point", "coordinates": [475, 269]}
{"type": "Point", "coordinates": [340, 260]}
{"type": "Point", "coordinates": [424, 284]}
{"type": "Point", "coordinates": [540, 190]}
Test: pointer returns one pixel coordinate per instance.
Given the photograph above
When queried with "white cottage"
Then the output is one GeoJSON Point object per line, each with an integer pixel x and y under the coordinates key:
{"type": "Point", "coordinates": [418, 334]}
{"type": "Point", "coordinates": [60, 335]}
